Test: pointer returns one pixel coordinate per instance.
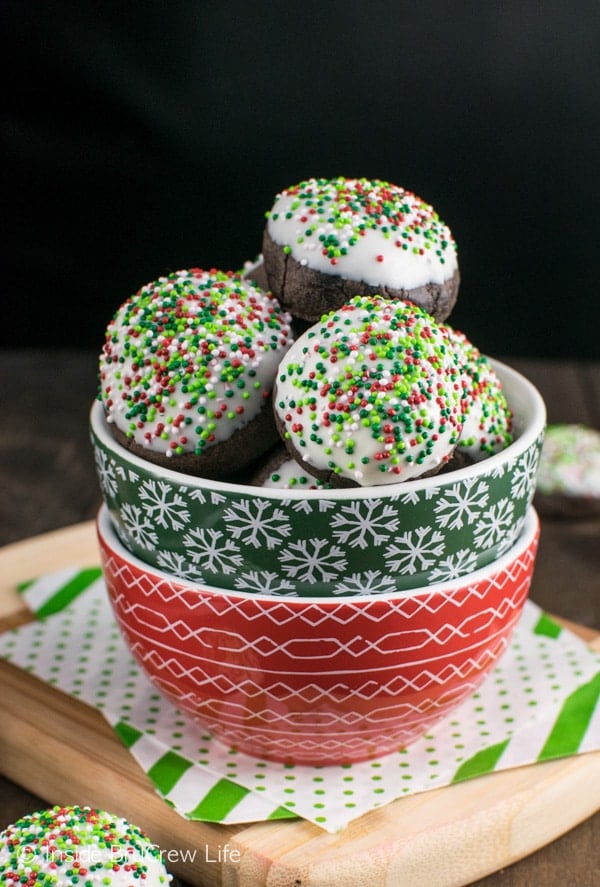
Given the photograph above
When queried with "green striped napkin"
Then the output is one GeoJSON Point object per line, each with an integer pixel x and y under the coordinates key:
{"type": "Point", "coordinates": [540, 702]}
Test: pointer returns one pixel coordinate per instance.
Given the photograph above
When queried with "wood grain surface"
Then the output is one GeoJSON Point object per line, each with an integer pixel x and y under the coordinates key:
{"type": "Point", "coordinates": [47, 481]}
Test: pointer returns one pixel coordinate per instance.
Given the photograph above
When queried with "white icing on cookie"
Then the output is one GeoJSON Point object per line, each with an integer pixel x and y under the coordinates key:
{"type": "Point", "coordinates": [190, 359]}
{"type": "Point", "coordinates": [372, 393]}
{"type": "Point", "coordinates": [487, 416]}
{"type": "Point", "coordinates": [363, 230]}
{"type": "Point", "coordinates": [570, 462]}
{"type": "Point", "coordinates": [67, 846]}
{"type": "Point", "coordinates": [289, 476]}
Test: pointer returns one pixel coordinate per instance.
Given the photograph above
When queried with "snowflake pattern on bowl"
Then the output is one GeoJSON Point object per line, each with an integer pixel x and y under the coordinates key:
{"type": "Point", "coordinates": [243, 538]}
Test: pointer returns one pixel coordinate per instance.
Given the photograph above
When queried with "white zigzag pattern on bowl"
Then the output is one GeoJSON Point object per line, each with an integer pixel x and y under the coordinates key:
{"type": "Point", "coordinates": [405, 715]}
{"type": "Point", "coordinates": [357, 647]}
{"type": "Point", "coordinates": [279, 691]}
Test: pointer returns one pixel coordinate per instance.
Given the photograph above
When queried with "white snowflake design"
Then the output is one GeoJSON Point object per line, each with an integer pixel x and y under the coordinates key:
{"type": "Point", "coordinates": [138, 527]}
{"type": "Point", "coordinates": [309, 505]}
{"type": "Point", "coordinates": [455, 565]}
{"type": "Point", "coordinates": [127, 474]}
{"type": "Point", "coordinates": [462, 504]}
{"type": "Point", "coordinates": [512, 536]}
{"type": "Point", "coordinates": [410, 498]}
{"type": "Point", "coordinates": [313, 560]}
{"type": "Point", "coordinates": [493, 524]}
{"type": "Point", "coordinates": [414, 550]}
{"type": "Point", "coordinates": [164, 505]}
{"type": "Point", "coordinates": [216, 553]}
{"type": "Point", "coordinates": [499, 470]}
{"type": "Point", "coordinates": [524, 475]}
{"type": "Point", "coordinates": [364, 522]}
{"type": "Point", "coordinates": [175, 563]}
{"type": "Point", "coordinates": [369, 582]}
{"type": "Point", "coordinates": [301, 505]}
{"type": "Point", "coordinates": [253, 523]}
{"type": "Point", "coordinates": [263, 582]}
{"type": "Point", "coordinates": [106, 472]}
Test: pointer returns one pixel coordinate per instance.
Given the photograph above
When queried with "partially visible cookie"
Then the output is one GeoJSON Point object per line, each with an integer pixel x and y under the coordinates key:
{"type": "Point", "coordinates": [328, 240]}
{"type": "Point", "coordinates": [280, 472]}
{"type": "Point", "coordinates": [187, 371]}
{"type": "Point", "coordinates": [68, 846]}
{"type": "Point", "coordinates": [254, 271]}
{"type": "Point", "coordinates": [568, 482]}
{"type": "Point", "coordinates": [487, 425]}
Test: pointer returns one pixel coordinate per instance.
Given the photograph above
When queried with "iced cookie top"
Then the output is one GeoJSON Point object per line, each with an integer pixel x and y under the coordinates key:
{"type": "Point", "coordinates": [570, 461]}
{"type": "Point", "coordinates": [289, 476]}
{"type": "Point", "coordinates": [487, 426]}
{"type": "Point", "coordinates": [67, 846]}
{"type": "Point", "coordinates": [373, 392]}
{"type": "Point", "coordinates": [191, 358]}
{"type": "Point", "coordinates": [363, 230]}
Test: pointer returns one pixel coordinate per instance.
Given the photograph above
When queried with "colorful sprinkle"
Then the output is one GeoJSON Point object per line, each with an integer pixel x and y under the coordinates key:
{"type": "Point", "coordinates": [66, 846]}
{"type": "Point", "coordinates": [487, 426]}
{"type": "Point", "coordinates": [570, 462]}
{"type": "Point", "coordinates": [373, 393]}
{"type": "Point", "coordinates": [362, 229]}
{"type": "Point", "coordinates": [190, 358]}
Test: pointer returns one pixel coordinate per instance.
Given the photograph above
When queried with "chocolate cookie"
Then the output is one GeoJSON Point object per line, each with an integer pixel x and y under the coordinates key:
{"type": "Point", "coordinates": [187, 370]}
{"type": "Point", "coordinates": [371, 395]}
{"type": "Point", "coordinates": [487, 417]}
{"type": "Point", "coordinates": [568, 481]}
{"type": "Point", "coordinates": [277, 470]}
{"type": "Point", "coordinates": [254, 271]}
{"type": "Point", "coordinates": [328, 240]}
{"type": "Point", "coordinates": [79, 846]}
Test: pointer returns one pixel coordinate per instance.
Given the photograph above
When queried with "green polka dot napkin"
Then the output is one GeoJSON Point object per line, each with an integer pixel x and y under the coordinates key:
{"type": "Point", "coordinates": [540, 702]}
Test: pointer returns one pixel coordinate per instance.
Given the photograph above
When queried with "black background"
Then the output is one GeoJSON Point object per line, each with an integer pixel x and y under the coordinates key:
{"type": "Point", "coordinates": [139, 138]}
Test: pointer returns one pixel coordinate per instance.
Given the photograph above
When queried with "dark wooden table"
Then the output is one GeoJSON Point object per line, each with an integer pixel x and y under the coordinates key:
{"type": "Point", "coordinates": [47, 481]}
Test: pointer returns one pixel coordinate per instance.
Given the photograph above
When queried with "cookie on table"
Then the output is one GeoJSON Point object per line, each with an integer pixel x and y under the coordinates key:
{"type": "Point", "coordinates": [187, 371]}
{"type": "Point", "coordinates": [66, 846]}
{"type": "Point", "coordinates": [371, 395]}
{"type": "Point", "coordinates": [568, 480]}
{"type": "Point", "coordinates": [328, 240]}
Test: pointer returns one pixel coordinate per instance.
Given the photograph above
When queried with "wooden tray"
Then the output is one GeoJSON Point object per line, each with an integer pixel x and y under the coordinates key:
{"type": "Point", "coordinates": [65, 752]}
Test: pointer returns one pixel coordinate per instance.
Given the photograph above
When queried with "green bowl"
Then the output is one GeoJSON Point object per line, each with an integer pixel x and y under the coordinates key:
{"type": "Point", "coordinates": [342, 542]}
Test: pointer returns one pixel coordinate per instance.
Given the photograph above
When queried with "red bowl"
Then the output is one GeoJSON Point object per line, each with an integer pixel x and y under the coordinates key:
{"type": "Point", "coordinates": [317, 680]}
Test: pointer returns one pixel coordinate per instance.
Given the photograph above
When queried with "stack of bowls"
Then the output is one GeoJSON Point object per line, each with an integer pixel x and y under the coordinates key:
{"type": "Point", "coordinates": [321, 626]}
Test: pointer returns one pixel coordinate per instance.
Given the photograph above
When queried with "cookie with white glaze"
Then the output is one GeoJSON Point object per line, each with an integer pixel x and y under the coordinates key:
{"type": "Point", "coordinates": [187, 370]}
{"type": "Point", "coordinates": [487, 417]}
{"type": "Point", "coordinates": [278, 471]}
{"type": "Point", "coordinates": [67, 846]}
{"type": "Point", "coordinates": [372, 394]}
{"type": "Point", "coordinates": [327, 240]}
{"type": "Point", "coordinates": [568, 480]}
{"type": "Point", "coordinates": [255, 272]}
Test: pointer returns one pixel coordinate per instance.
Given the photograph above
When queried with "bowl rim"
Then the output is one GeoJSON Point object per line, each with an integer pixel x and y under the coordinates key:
{"type": "Point", "coordinates": [108, 538]}
{"type": "Point", "coordinates": [529, 434]}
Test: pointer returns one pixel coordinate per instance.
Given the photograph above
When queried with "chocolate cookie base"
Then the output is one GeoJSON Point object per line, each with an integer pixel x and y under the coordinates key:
{"type": "Point", "coordinates": [309, 294]}
{"type": "Point", "coordinates": [221, 460]}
